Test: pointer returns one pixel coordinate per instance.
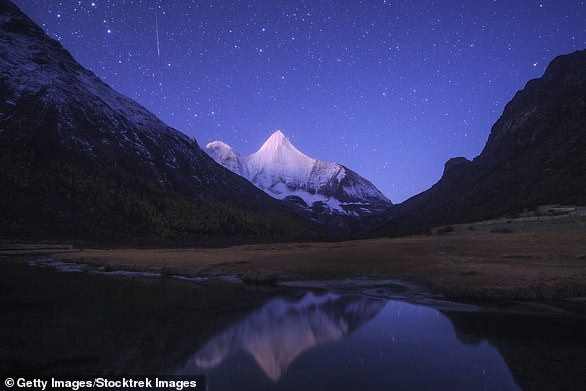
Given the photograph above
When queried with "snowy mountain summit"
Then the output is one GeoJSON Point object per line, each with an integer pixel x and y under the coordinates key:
{"type": "Point", "coordinates": [284, 172]}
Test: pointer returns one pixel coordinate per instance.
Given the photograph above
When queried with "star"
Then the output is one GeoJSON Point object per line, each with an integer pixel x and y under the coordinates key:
{"type": "Point", "coordinates": [327, 69]}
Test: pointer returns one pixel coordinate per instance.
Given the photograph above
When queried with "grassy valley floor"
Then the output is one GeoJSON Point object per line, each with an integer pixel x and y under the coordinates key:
{"type": "Point", "coordinates": [536, 261]}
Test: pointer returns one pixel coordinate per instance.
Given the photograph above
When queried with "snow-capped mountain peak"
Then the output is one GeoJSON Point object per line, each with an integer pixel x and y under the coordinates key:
{"type": "Point", "coordinates": [279, 160]}
{"type": "Point", "coordinates": [277, 141]}
{"type": "Point", "coordinates": [283, 171]}
{"type": "Point", "coordinates": [226, 155]}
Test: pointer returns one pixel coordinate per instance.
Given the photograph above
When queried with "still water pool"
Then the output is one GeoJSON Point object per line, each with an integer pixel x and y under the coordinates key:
{"type": "Point", "coordinates": [242, 339]}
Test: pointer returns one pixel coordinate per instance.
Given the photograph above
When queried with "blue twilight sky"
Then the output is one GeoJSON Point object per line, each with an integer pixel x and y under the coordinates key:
{"type": "Point", "coordinates": [389, 88]}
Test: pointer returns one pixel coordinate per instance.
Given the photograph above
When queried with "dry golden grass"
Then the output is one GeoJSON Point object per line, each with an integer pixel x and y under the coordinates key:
{"type": "Point", "coordinates": [458, 265]}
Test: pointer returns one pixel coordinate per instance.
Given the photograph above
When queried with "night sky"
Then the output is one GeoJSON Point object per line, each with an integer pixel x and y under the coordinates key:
{"type": "Point", "coordinates": [392, 89]}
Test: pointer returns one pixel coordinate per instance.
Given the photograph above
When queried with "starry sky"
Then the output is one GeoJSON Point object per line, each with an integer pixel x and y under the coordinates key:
{"type": "Point", "coordinates": [389, 88]}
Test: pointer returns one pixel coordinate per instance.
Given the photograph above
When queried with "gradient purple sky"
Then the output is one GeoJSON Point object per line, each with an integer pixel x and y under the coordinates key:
{"type": "Point", "coordinates": [389, 88]}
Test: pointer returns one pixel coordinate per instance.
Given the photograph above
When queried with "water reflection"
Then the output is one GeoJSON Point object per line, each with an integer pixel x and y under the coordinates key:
{"type": "Point", "coordinates": [543, 353]}
{"type": "Point", "coordinates": [75, 323]}
{"type": "Point", "coordinates": [380, 344]}
{"type": "Point", "coordinates": [281, 330]}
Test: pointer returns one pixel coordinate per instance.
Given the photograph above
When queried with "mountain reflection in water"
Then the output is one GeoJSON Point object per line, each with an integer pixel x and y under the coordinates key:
{"type": "Point", "coordinates": [282, 329]}
{"type": "Point", "coordinates": [76, 323]}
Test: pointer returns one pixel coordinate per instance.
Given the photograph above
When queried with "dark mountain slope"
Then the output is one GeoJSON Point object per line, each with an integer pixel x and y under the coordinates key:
{"type": "Point", "coordinates": [80, 161]}
{"type": "Point", "coordinates": [535, 154]}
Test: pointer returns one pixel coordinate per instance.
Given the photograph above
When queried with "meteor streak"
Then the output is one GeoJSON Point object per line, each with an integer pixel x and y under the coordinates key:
{"type": "Point", "coordinates": [157, 31]}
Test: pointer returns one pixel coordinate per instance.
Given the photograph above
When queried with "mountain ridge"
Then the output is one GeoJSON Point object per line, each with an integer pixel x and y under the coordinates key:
{"type": "Point", "coordinates": [284, 172]}
{"type": "Point", "coordinates": [78, 160]}
{"type": "Point", "coordinates": [535, 155]}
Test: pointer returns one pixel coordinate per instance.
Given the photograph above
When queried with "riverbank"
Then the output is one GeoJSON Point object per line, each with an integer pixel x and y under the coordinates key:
{"type": "Point", "coordinates": [454, 266]}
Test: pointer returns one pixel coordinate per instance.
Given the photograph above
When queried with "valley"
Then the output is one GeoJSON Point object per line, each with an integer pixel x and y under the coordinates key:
{"type": "Point", "coordinates": [540, 260]}
{"type": "Point", "coordinates": [126, 247]}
